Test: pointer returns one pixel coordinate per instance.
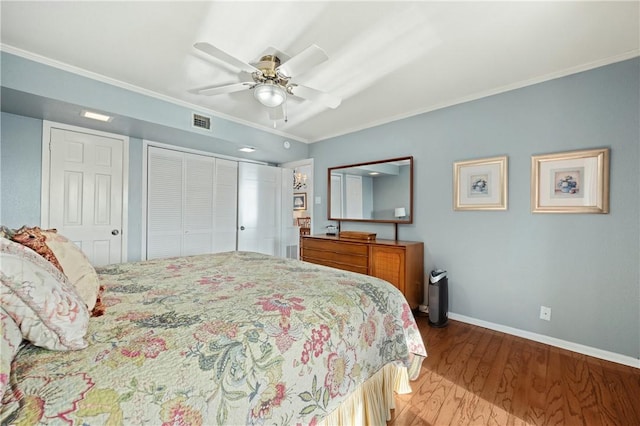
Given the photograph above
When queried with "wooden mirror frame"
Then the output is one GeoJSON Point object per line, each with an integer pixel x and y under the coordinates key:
{"type": "Point", "coordinates": [389, 160]}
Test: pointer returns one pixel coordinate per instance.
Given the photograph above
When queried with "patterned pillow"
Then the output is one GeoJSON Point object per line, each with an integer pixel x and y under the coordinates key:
{"type": "Point", "coordinates": [40, 299]}
{"type": "Point", "coordinates": [9, 345]}
{"type": "Point", "coordinates": [76, 266]}
{"type": "Point", "coordinates": [67, 257]}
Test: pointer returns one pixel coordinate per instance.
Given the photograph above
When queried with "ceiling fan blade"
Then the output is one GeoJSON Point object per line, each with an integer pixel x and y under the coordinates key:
{"type": "Point", "coordinates": [224, 57]}
{"type": "Point", "coordinates": [303, 61]}
{"type": "Point", "coordinates": [315, 95]}
{"type": "Point", "coordinates": [276, 113]}
{"type": "Point", "coordinates": [229, 88]}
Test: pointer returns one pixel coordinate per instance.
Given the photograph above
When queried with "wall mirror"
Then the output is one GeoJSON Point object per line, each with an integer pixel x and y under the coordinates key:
{"type": "Point", "coordinates": [377, 191]}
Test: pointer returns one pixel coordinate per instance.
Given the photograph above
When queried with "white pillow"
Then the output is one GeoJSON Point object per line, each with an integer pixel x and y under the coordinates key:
{"type": "Point", "coordinates": [40, 299]}
{"type": "Point", "coordinates": [76, 266]}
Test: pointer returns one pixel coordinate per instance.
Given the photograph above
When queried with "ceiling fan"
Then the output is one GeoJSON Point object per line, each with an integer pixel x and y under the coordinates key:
{"type": "Point", "coordinates": [272, 78]}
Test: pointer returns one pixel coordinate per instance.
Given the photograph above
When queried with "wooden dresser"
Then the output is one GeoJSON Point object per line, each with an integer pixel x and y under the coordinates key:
{"type": "Point", "coordinates": [399, 262]}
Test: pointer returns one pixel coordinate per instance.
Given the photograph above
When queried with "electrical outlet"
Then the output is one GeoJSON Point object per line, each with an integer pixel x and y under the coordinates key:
{"type": "Point", "coordinates": [545, 313]}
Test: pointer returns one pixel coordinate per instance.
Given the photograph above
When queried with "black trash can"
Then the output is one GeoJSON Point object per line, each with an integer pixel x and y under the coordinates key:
{"type": "Point", "coordinates": [438, 298]}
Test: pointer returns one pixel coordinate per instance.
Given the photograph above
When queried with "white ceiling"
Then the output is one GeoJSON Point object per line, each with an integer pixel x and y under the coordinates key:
{"type": "Point", "coordinates": [387, 60]}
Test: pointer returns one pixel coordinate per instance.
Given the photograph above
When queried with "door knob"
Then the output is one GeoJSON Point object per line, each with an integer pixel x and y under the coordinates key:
{"type": "Point", "coordinates": [242, 228]}
{"type": "Point", "coordinates": [115, 232]}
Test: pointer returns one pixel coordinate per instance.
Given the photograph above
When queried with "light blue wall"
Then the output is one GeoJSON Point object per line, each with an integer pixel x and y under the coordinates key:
{"type": "Point", "coordinates": [20, 166]}
{"type": "Point", "coordinates": [503, 265]}
{"type": "Point", "coordinates": [31, 89]}
{"type": "Point", "coordinates": [136, 203]}
{"type": "Point", "coordinates": [21, 176]}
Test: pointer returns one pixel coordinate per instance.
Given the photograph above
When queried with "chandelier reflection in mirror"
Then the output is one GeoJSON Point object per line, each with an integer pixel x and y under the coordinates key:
{"type": "Point", "coordinates": [299, 181]}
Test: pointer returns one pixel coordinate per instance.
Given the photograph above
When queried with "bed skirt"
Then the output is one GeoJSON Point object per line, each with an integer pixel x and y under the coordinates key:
{"type": "Point", "coordinates": [371, 403]}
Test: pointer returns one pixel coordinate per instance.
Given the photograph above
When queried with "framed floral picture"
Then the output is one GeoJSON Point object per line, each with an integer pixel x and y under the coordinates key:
{"type": "Point", "coordinates": [480, 184]}
{"type": "Point", "coordinates": [570, 182]}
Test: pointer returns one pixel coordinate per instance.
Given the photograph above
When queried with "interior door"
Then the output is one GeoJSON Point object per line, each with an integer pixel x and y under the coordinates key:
{"type": "Point", "coordinates": [259, 211]}
{"type": "Point", "coordinates": [289, 230]}
{"type": "Point", "coordinates": [85, 188]}
{"type": "Point", "coordinates": [353, 198]}
{"type": "Point", "coordinates": [336, 195]}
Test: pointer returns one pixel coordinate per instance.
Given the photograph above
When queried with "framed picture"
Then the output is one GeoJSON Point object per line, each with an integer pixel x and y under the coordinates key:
{"type": "Point", "coordinates": [300, 201]}
{"type": "Point", "coordinates": [570, 182]}
{"type": "Point", "coordinates": [480, 184]}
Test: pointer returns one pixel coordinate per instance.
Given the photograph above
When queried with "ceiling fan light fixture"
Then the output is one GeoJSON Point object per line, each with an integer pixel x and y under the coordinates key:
{"type": "Point", "coordinates": [269, 94]}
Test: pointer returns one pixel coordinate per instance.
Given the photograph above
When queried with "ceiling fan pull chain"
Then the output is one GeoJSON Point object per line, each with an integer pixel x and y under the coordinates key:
{"type": "Point", "coordinates": [286, 116]}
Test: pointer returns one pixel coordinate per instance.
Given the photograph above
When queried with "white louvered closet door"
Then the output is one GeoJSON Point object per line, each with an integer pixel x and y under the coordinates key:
{"type": "Point", "coordinates": [191, 205]}
{"type": "Point", "coordinates": [165, 191]}
{"type": "Point", "coordinates": [198, 204]}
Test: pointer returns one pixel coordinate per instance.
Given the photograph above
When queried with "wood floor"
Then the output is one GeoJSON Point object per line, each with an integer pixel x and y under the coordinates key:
{"type": "Point", "coordinates": [475, 376]}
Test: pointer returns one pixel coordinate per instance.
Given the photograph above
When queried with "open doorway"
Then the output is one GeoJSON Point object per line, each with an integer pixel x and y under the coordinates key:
{"type": "Point", "coordinates": [302, 203]}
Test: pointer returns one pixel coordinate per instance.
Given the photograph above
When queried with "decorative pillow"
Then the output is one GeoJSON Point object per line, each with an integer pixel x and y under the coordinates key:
{"type": "Point", "coordinates": [40, 299]}
{"type": "Point", "coordinates": [11, 338]}
{"type": "Point", "coordinates": [76, 266]}
{"type": "Point", "coordinates": [36, 241]}
{"type": "Point", "coordinates": [67, 257]}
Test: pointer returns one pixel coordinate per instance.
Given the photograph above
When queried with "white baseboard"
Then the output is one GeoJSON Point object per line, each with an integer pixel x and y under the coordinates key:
{"type": "Point", "coordinates": [559, 343]}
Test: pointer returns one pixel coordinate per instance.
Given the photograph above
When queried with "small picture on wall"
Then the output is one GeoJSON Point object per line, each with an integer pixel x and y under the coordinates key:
{"type": "Point", "coordinates": [480, 184]}
{"type": "Point", "coordinates": [570, 182]}
{"type": "Point", "coordinates": [300, 201]}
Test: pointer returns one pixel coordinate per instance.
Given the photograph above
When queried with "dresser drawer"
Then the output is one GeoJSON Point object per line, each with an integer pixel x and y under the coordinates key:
{"type": "Point", "coordinates": [335, 246]}
{"type": "Point", "coordinates": [397, 262]}
{"type": "Point", "coordinates": [344, 266]}
{"type": "Point", "coordinates": [334, 257]}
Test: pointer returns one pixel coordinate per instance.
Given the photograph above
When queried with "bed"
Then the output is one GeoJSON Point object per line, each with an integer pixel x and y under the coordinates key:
{"type": "Point", "coordinates": [228, 338]}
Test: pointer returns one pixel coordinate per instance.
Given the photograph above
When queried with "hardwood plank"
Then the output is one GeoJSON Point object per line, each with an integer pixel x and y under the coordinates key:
{"type": "Point", "coordinates": [631, 390]}
{"type": "Point", "coordinates": [555, 399]}
{"type": "Point", "coordinates": [510, 376]}
{"type": "Point", "coordinates": [422, 403]}
{"type": "Point", "coordinates": [581, 403]}
{"type": "Point", "coordinates": [537, 392]}
{"type": "Point", "coordinates": [451, 405]}
{"type": "Point", "coordinates": [474, 376]}
{"type": "Point", "coordinates": [607, 403]}
{"type": "Point", "coordinates": [475, 372]}
{"type": "Point", "coordinates": [466, 409]}
{"type": "Point", "coordinates": [494, 377]}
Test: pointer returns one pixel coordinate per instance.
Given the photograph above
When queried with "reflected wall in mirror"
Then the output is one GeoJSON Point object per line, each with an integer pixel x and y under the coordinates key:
{"type": "Point", "coordinates": [377, 191]}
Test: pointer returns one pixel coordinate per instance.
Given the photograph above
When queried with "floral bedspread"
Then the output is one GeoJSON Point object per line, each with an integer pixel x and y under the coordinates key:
{"type": "Point", "coordinates": [230, 338]}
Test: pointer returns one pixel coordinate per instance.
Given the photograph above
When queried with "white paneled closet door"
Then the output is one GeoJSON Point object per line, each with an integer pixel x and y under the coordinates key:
{"type": "Point", "coordinates": [259, 209]}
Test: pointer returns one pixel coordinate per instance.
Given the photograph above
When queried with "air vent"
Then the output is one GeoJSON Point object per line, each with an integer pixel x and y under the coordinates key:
{"type": "Point", "coordinates": [201, 121]}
